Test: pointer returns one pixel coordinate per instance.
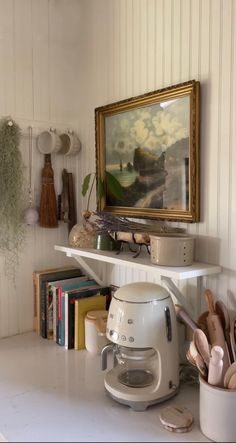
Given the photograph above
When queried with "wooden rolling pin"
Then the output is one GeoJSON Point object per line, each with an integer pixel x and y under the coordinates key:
{"type": "Point", "coordinates": [215, 330]}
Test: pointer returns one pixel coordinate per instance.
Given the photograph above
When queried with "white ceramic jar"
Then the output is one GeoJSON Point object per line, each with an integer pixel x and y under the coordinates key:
{"type": "Point", "coordinates": [95, 331]}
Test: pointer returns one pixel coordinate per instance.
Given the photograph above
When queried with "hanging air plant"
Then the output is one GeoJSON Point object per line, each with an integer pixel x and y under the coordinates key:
{"type": "Point", "coordinates": [11, 189]}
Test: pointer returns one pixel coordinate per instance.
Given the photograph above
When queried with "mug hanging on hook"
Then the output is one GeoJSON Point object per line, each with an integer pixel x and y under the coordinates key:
{"type": "Point", "coordinates": [70, 143]}
{"type": "Point", "coordinates": [31, 214]}
{"type": "Point", "coordinates": [48, 142]}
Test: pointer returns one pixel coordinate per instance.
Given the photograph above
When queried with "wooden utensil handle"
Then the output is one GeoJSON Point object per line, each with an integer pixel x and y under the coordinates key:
{"type": "Point", "coordinates": [217, 337]}
{"type": "Point", "coordinates": [210, 301]}
{"type": "Point", "coordinates": [183, 315]}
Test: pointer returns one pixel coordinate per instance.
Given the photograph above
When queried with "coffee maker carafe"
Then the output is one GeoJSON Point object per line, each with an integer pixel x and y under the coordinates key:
{"type": "Point", "coordinates": [142, 329]}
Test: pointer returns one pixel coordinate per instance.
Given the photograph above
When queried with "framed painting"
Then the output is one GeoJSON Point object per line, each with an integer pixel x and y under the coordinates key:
{"type": "Point", "coordinates": [149, 145]}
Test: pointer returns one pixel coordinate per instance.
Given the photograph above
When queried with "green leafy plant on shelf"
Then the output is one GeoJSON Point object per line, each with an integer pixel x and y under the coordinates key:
{"type": "Point", "coordinates": [110, 183]}
{"type": "Point", "coordinates": [84, 235]}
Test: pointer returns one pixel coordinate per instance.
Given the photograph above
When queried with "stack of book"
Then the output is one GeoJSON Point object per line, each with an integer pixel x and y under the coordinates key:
{"type": "Point", "coordinates": [62, 297]}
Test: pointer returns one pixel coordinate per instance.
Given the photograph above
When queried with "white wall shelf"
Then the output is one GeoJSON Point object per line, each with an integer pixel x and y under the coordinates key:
{"type": "Point", "coordinates": [143, 263]}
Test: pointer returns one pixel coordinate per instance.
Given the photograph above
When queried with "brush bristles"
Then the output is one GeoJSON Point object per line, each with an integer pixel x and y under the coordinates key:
{"type": "Point", "coordinates": [48, 207]}
{"type": "Point", "coordinates": [48, 204]}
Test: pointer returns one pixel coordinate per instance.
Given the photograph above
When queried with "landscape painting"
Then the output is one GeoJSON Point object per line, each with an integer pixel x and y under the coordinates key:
{"type": "Point", "coordinates": [149, 144]}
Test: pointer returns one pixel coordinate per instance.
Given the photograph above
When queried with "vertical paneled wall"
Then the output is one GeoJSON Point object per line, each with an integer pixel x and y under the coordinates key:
{"type": "Point", "coordinates": [61, 59]}
{"type": "Point", "coordinates": [137, 46]}
{"type": "Point", "coordinates": [39, 76]}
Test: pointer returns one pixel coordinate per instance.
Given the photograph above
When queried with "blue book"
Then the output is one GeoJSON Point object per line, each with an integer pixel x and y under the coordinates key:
{"type": "Point", "coordinates": [66, 284]}
{"type": "Point", "coordinates": [59, 325]}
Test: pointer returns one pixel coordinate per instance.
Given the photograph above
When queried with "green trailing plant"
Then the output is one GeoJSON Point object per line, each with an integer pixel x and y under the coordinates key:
{"type": "Point", "coordinates": [12, 190]}
{"type": "Point", "coordinates": [110, 183]}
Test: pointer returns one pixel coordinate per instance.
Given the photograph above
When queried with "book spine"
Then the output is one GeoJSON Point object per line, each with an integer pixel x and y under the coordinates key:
{"type": "Point", "coordinates": [71, 323]}
{"type": "Point", "coordinates": [76, 325]}
{"type": "Point", "coordinates": [61, 318]}
{"type": "Point", "coordinates": [43, 310]}
{"type": "Point", "coordinates": [49, 309]}
{"type": "Point", "coordinates": [55, 313]}
{"type": "Point", "coordinates": [66, 319]}
{"type": "Point", "coordinates": [35, 303]}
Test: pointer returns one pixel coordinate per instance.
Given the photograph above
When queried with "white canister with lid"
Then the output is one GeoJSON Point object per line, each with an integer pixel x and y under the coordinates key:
{"type": "Point", "coordinates": [95, 331]}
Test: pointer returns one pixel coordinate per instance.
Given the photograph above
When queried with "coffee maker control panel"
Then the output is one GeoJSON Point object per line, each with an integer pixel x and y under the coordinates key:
{"type": "Point", "coordinates": [114, 336]}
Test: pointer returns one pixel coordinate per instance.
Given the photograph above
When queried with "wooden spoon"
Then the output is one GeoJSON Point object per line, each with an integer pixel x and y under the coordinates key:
{"type": "Point", "coordinates": [223, 313]}
{"type": "Point", "coordinates": [230, 371]}
{"type": "Point", "coordinates": [202, 345]}
{"type": "Point", "coordinates": [196, 359]}
{"type": "Point", "coordinates": [232, 382]}
{"type": "Point", "coordinates": [202, 323]}
{"type": "Point", "coordinates": [233, 336]}
{"type": "Point", "coordinates": [216, 333]}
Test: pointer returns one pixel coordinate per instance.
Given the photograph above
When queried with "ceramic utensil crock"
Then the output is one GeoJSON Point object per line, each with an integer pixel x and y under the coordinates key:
{"type": "Point", "coordinates": [217, 412]}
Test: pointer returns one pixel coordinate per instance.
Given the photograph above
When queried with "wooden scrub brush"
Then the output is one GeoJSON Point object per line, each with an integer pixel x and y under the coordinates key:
{"type": "Point", "coordinates": [48, 202]}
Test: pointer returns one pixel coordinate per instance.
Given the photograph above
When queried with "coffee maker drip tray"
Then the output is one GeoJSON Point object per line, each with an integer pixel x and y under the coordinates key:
{"type": "Point", "coordinates": [136, 378]}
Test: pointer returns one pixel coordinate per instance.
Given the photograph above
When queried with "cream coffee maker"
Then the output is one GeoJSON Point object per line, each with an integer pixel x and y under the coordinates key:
{"type": "Point", "coordinates": [142, 330]}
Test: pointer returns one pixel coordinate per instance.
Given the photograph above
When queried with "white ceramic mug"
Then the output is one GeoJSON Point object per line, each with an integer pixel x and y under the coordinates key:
{"type": "Point", "coordinates": [48, 142]}
{"type": "Point", "coordinates": [70, 143]}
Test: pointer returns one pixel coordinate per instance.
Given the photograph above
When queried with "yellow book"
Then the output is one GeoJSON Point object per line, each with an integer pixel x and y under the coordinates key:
{"type": "Point", "coordinates": [82, 306]}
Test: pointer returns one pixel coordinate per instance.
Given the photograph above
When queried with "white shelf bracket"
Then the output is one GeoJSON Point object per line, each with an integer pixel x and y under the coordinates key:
{"type": "Point", "coordinates": [176, 292]}
{"type": "Point", "coordinates": [87, 269]}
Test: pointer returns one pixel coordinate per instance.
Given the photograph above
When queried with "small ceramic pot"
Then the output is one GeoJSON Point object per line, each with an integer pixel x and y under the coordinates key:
{"type": "Point", "coordinates": [105, 242]}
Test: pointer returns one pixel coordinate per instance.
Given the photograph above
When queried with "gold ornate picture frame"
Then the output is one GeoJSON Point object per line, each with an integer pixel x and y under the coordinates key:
{"type": "Point", "coordinates": [150, 145]}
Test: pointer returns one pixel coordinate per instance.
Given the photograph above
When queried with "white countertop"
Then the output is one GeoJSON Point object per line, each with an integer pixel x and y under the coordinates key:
{"type": "Point", "coordinates": [49, 394]}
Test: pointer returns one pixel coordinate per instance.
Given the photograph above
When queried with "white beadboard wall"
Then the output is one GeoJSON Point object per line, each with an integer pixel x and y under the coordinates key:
{"type": "Point", "coordinates": [39, 77]}
{"type": "Point", "coordinates": [135, 46]}
{"type": "Point", "coordinates": [60, 59]}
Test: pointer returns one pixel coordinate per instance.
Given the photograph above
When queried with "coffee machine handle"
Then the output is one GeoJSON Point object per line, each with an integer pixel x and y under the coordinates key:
{"type": "Point", "coordinates": [168, 324]}
{"type": "Point", "coordinates": [105, 350]}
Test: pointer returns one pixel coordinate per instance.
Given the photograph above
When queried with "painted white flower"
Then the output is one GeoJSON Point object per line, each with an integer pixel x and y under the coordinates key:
{"type": "Point", "coordinates": [139, 132]}
{"type": "Point", "coordinates": [168, 128]}
{"type": "Point", "coordinates": [153, 143]}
